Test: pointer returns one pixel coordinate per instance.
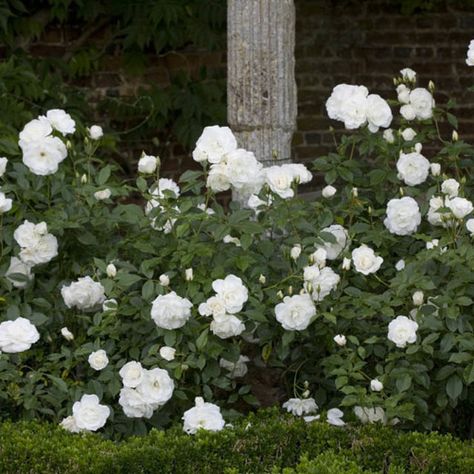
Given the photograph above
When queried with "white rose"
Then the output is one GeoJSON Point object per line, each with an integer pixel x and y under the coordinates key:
{"type": "Point", "coordinates": [42, 157]}
{"type": "Point", "coordinates": [408, 134]}
{"type": "Point", "coordinates": [232, 291]}
{"type": "Point", "coordinates": [103, 194]}
{"type": "Point", "coordinates": [20, 269]}
{"type": "Point", "coordinates": [376, 385]}
{"type": "Point", "coordinates": [435, 169]}
{"type": "Point", "coordinates": [470, 54]}
{"type": "Point", "coordinates": [328, 191]}
{"type": "Point", "coordinates": [69, 424]}
{"type": "Point", "coordinates": [111, 270]}
{"type": "Point", "coordinates": [402, 331]}
{"type": "Point", "coordinates": [348, 104]}
{"type": "Point", "coordinates": [450, 187]}
{"type": "Point", "coordinates": [340, 340]}
{"type": "Point", "coordinates": [18, 335]}
{"type": "Point", "coordinates": [370, 415]}
{"type": "Point", "coordinates": [295, 251]}
{"type": "Point", "coordinates": [295, 313]}
{"type": "Point", "coordinates": [325, 281]}
{"type": "Point", "coordinates": [164, 280]}
{"type": "Point", "coordinates": [156, 387]}
{"type": "Point", "coordinates": [422, 102]}
{"type": "Point", "coordinates": [403, 216]}
{"type": "Point", "coordinates": [98, 360]}
{"type": "Point", "coordinates": [460, 207]}
{"type": "Point", "coordinates": [418, 298]}
{"type": "Point", "coordinates": [301, 174]}
{"type": "Point", "coordinates": [214, 143]}
{"type": "Point", "coordinates": [227, 325]}
{"type": "Point", "coordinates": [413, 168]}
{"type": "Point", "coordinates": [407, 111]}
{"type": "Point", "coordinates": [134, 404]}
{"type": "Point", "coordinates": [280, 180]}
{"type": "Point", "coordinates": [403, 93]}
{"type": "Point", "coordinates": [68, 335]}
{"type": "Point", "coordinates": [95, 132]}
{"type": "Point", "coordinates": [470, 226]}
{"type": "Point", "coordinates": [5, 203]}
{"type": "Point", "coordinates": [237, 369]}
{"type": "Point", "coordinates": [85, 294]}
{"type": "Point", "coordinates": [3, 166]}
{"type": "Point", "coordinates": [89, 414]}
{"type": "Point", "coordinates": [365, 261]}
{"type": "Point", "coordinates": [61, 121]}
{"type": "Point", "coordinates": [319, 257]}
{"type": "Point", "coordinates": [388, 136]}
{"type": "Point", "coordinates": [408, 74]}
{"type": "Point", "coordinates": [334, 249]}
{"type": "Point", "coordinates": [171, 311]}
{"type": "Point", "coordinates": [378, 113]}
{"type": "Point", "coordinates": [334, 417]}
{"type": "Point", "coordinates": [34, 131]}
{"type": "Point", "coordinates": [165, 184]}
{"type": "Point", "coordinates": [400, 265]}
{"type": "Point", "coordinates": [218, 179]}
{"type": "Point", "coordinates": [214, 306]}
{"type": "Point", "coordinates": [43, 252]}
{"type": "Point", "coordinates": [167, 353]}
{"type": "Point", "coordinates": [245, 173]}
{"type": "Point", "coordinates": [435, 217]}
{"type": "Point", "coordinates": [132, 374]}
{"type": "Point", "coordinates": [203, 415]}
{"type": "Point", "coordinates": [189, 274]}
{"type": "Point", "coordinates": [147, 164]}
{"type": "Point", "coordinates": [301, 406]}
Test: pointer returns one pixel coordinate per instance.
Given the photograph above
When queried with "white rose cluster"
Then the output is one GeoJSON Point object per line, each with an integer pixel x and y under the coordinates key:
{"type": "Point", "coordinates": [319, 282]}
{"type": "Point", "coordinates": [84, 294]}
{"type": "Point", "coordinates": [353, 106]}
{"type": "Point", "coordinates": [203, 416]}
{"type": "Point", "coordinates": [417, 103]}
{"type": "Point", "coordinates": [37, 245]}
{"type": "Point", "coordinates": [171, 311]}
{"type": "Point", "coordinates": [87, 415]}
{"type": "Point", "coordinates": [143, 390]}
{"type": "Point", "coordinates": [17, 335]}
{"type": "Point", "coordinates": [231, 295]}
{"type": "Point", "coordinates": [281, 179]}
{"type": "Point", "coordinates": [42, 150]}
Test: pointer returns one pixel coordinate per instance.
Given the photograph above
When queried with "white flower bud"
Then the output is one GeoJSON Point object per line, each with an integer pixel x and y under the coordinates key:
{"type": "Point", "coordinates": [400, 265]}
{"type": "Point", "coordinates": [95, 132]}
{"type": "Point", "coordinates": [189, 274]}
{"type": "Point", "coordinates": [164, 280]}
{"type": "Point", "coordinates": [167, 353]}
{"type": "Point", "coordinates": [435, 169]}
{"type": "Point", "coordinates": [111, 270]}
{"type": "Point", "coordinates": [408, 134]}
{"type": "Point", "coordinates": [388, 136]}
{"type": "Point", "coordinates": [418, 298]}
{"type": "Point", "coordinates": [431, 86]}
{"type": "Point", "coordinates": [346, 263]}
{"type": "Point", "coordinates": [280, 294]}
{"type": "Point", "coordinates": [329, 191]}
{"type": "Point", "coordinates": [455, 136]}
{"type": "Point", "coordinates": [376, 385]}
{"type": "Point", "coordinates": [290, 290]}
{"type": "Point", "coordinates": [432, 244]}
{"type": "Point", "coordinates": [68, 335]}
{"type": "Point", "coordinates": [306, 394]}
{"type": "Point", "coordinates": [418, 147]}
{"type": "Point", "coordinates": [84, 179]}
{"type": "Point", "coordinates": [147, 164]}
{"type": "Point", "coordinates": [262, 279]}
{"type": "Point", "coordinates": [355, 192]}
{"type": "Point", "coordinates": [319, 257]}
{"type": "Point", "coordinates": [104, 194]}
{"type": "Point", "coordinates": [340, 340]}
{"type": "Point", "coordinates": [295, 251]}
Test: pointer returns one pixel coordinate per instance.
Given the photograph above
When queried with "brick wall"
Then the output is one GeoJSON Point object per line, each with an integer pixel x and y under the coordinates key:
{"type": "Point", "coordinates": [365, 42]}
{"type": "Point", "coordinates": [368, 43]}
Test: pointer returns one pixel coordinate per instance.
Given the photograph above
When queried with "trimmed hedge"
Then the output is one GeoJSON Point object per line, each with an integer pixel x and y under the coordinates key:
{"type": "Point", "coordinates": [267, 442]}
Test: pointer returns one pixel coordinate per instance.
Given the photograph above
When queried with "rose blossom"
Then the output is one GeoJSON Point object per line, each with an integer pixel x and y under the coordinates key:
{"type": "Point", "coordinates": [301, 406]}
{"type": "Point", "coordinates": [171, 311]}
{"type": "Point", "coordinates": [214, 143]}
{"type": "Point", "coordinates": [95, 132]}
{"type": "Point", "coordinates": [85, 294]}
{"type": "Point", "coordinates": [98, 360]}
{"type": "Point", "coordinates": [147, 164]}
{"type": "Point", "coordinates": [413, 168]}
{"type": "Point", "coordinates": [89, 414]}
{"type": "Point", "coordinates": [232, 292]}
{"type": "Point", "coordinates": [365, 260]}
{"type": "Point", "coordinates": [61, 121]}
{"type": "Point", "coordinates": [3, 166]}
{"type": "Point", "coordinates": [296, 312]}
{"type": "Point", "coordinates": [17, 335]}
{"type": "Point", "coordinates": [203, 415]}
{"type": "Point", "coordinates": [402, 331]}
{"type": "Point", "coordinates": [167, 353]}
{"type": "Point", "coordinates": [132, 374]}
{"type": "Point", "coordinates": [450, 187]}
{"type": "Point", "coordinates": [403, 216]}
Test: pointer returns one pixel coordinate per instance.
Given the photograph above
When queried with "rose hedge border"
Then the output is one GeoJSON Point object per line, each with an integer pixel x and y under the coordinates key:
{"type": "Point", "coordinates": [262, 442]}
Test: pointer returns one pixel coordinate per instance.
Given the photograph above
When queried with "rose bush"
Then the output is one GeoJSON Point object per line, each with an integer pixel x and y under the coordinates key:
{"type": "Point", "coordinates": [118, 316]}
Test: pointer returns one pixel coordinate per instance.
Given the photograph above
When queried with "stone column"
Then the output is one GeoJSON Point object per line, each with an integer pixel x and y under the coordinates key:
{"type": "Point", "coordinates": [261, 87]}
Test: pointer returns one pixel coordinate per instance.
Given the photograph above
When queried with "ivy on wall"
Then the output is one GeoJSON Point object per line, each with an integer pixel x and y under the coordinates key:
{"type": "Point", "coordinates": [136, 32]}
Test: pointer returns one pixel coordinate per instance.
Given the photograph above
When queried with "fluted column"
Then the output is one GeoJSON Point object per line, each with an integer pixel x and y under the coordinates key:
{"type": "Point", "coordinates": [261, 87]}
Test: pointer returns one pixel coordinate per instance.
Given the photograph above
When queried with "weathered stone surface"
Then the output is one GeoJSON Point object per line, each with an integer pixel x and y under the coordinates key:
{"type": "Point", "coordinates": [261, 87]}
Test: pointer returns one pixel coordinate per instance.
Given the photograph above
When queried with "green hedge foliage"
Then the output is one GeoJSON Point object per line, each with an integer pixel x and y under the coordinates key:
{"type": "Point", "coordinates": [267, 442]}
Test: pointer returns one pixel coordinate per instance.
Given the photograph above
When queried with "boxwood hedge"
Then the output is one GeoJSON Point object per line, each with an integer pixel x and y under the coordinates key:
{"type": "Point", "coordinates": [266, 442]}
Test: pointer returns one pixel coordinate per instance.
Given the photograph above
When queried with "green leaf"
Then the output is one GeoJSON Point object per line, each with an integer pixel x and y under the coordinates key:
{"type": "Point", "coordinates": [403, 382]}
{"type": "Point", "coordinates": [454, 387]}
